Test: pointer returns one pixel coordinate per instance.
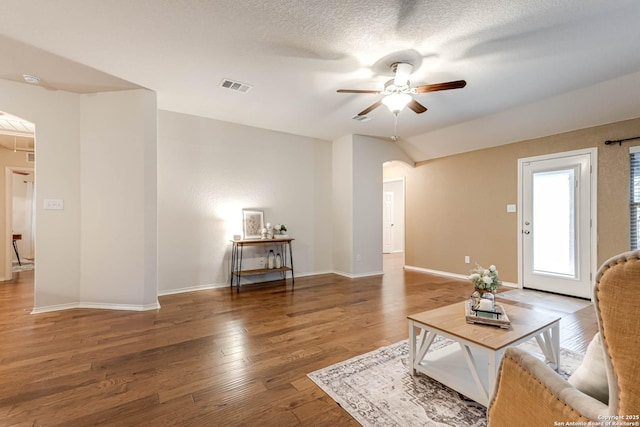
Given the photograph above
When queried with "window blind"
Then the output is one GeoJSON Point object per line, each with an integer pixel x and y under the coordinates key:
{"type": "Point", "coordinates": [634, 199]}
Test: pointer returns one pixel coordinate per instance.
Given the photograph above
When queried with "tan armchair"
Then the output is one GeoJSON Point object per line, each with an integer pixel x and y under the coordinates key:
{"type": "Point", "coordinates": [528, 392]}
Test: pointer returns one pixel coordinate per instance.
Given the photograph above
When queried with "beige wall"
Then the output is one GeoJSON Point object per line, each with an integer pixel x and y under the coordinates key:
{"type": "Point", "coordinates": [456, 206]}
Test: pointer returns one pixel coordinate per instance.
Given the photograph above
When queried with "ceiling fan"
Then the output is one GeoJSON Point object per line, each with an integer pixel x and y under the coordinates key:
{"type": "Point", "coordinates": [398, 91]}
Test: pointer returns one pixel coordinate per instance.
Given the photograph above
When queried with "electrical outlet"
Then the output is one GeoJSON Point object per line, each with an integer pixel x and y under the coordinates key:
{"type": "Point", "coordinates": [467, 259]}
{"type": "Point", "coordinates": [358, 258]}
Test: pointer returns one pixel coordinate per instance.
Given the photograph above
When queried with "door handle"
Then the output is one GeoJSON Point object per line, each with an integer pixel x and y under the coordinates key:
{"type": "Point", "coordinates": [526, 231]}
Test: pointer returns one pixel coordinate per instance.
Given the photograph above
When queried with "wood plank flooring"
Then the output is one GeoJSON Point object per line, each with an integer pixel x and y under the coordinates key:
{"type": "Point", "coordinates": [214, 357]}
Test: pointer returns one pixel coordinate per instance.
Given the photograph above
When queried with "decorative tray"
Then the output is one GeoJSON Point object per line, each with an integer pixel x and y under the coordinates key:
{"type": "Point", "coordinates": [495, 318]}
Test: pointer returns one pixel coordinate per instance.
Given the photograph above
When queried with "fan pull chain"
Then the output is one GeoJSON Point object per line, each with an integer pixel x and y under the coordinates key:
{"type": "Point", "coordinates": [394, 138]}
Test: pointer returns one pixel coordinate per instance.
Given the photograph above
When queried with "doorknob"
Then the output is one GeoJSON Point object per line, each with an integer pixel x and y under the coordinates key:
{"type": "Point", "coordinates": [526, 231]}
{"type": "Point", "coordinates": [527, 223]}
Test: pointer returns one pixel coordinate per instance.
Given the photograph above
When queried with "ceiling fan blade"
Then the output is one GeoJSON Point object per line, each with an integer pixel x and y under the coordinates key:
{"type": "Point", "coordinates": [416, 106]}
{"type": "Point", "coordinates": [457, 84]}
{"type": "Point", "coordinates": [357, 91]}
{"type": "Point", "coordinates": [371, 108]}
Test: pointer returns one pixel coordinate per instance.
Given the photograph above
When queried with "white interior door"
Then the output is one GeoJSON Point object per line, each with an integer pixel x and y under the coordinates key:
{"type": "Point", "coordinates": [557, 244]}
{"type": "Point", "coordinates": [387, 222]}
{"type": "Point", "coordinates": [22, 214]}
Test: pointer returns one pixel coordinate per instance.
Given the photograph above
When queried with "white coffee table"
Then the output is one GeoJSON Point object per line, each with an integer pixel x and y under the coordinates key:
{"type": "Point", "coordinates": [471, 366]}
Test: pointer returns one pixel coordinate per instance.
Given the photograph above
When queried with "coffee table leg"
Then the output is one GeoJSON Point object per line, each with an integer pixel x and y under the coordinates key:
{"type": "Point", "coordinates": [419, 344]}
{"type": "Point", "coordinates": [471, 363]}
{"type": "Point", "coordinates": [424, 343]}
{"type": "Point", "coordinates": [549, 343]}
{"type": "Point", "coordinates": [493, 365]}
{"type": "Point", "coordinates": [554, 341]}
{"type": "Point", "coordinates": [412, 347]}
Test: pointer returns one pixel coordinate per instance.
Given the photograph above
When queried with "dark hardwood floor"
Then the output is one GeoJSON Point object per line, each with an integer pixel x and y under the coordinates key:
{"type": "Point", "coordinates": [212, 358]}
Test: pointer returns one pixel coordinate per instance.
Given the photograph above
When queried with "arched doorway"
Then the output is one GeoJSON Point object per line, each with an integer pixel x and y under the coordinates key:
{"type": "Point", "coordinates": [393, 211]}
{"type": "Point", "coordinates": [17, 156]}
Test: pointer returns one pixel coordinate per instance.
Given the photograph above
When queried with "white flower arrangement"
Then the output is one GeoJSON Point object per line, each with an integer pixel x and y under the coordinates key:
{"type": "Point", "coordinates": [485, 278]}
{"type": "Point", "coordinates": [280, 228]}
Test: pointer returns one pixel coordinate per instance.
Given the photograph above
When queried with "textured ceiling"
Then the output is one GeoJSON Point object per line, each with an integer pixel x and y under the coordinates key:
{"type": "Point", "coordinates": [537, 57]}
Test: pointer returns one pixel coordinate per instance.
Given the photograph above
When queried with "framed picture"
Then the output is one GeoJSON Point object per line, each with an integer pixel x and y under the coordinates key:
{"type": "Point", "coordinates": [252, 223]}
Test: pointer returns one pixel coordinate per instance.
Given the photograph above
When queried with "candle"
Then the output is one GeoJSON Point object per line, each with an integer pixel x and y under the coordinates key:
{"type": "Point", "coordinates": [485, 305]}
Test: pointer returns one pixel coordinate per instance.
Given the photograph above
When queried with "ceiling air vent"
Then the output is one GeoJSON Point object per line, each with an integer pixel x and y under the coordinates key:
{"type": "Point", "coordinates": [235, 86]}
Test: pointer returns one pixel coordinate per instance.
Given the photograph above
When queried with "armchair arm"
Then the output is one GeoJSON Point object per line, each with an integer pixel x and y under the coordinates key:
{"type": "Point", "coordinates": [528, 392]}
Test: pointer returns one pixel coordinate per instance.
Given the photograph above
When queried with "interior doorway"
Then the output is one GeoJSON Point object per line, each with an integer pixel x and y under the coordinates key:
{"type": "Point", "coordinates": [17, 158]}
{"type": "Point", "coordinates": [393, 225]}
{"type": "Point", "coordinates": [23, 220]}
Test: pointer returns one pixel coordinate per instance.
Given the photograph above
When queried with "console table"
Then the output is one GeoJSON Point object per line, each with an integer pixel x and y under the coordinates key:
{"type": "Point", "coordinates": [237, 250]}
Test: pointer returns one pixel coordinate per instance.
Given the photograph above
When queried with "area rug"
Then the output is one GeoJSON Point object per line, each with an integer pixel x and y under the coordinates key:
{"type": "Point", "coordinates": [377, 390]}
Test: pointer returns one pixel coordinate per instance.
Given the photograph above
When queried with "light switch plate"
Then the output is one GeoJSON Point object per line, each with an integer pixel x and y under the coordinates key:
{"type": "Point", "coordinates": [511, 208]}
{"type": "Point", "coordinates": [54, 204]}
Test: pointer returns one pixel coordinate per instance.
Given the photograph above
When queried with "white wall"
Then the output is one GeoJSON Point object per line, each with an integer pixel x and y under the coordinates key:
{"type": "Point", "coordinates": [342, 187]}
{"type": "Point", "coordinates": [209, 170]}
{"type": "Point", "coordinates": [118, 193]}
{"type": "Point", "coordinates": [369, 154]}
{"type": "Point", "coordinates": [358, 160]}
{"type": "Point", "coordinates": [56, 115]}
{"type": "Point", "coordinates": [101, 141]}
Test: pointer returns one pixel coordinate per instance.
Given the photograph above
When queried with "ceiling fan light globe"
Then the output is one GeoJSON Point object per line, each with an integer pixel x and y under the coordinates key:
{"type": "Point", "coordinates": [396, 102]}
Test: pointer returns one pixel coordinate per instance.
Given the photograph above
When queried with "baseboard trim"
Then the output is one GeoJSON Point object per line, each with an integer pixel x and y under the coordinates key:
{"type": "Point", "coordinates": [96, 305]}
{"type": "Point", "coordinates": [436, 272]}
{"type": "Point", "coordinates": [57, 307]}
{"type": "Point", "coordinates": [452, 275]}
{"type": "Point", "coordinates": [359, 275]}
{"type": "Point", "coordinates": [128, 307]}
{"type": "Point", "coordinates": [316, 273]}
{"type": "Point", "coordinates": [511, 285]}
{"type": "Point", "coordinates": [226, 285]}
{"type": "Point", "coordinates": [156, 305]}
{"type": "Point", "coordinates": [192, 289]}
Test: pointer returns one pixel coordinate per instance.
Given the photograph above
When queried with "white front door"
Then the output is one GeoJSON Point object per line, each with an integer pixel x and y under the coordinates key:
{"type": "Point", "coordinates": [557, 242]}
{"type": "Point", "coordinates": [387, 222]}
